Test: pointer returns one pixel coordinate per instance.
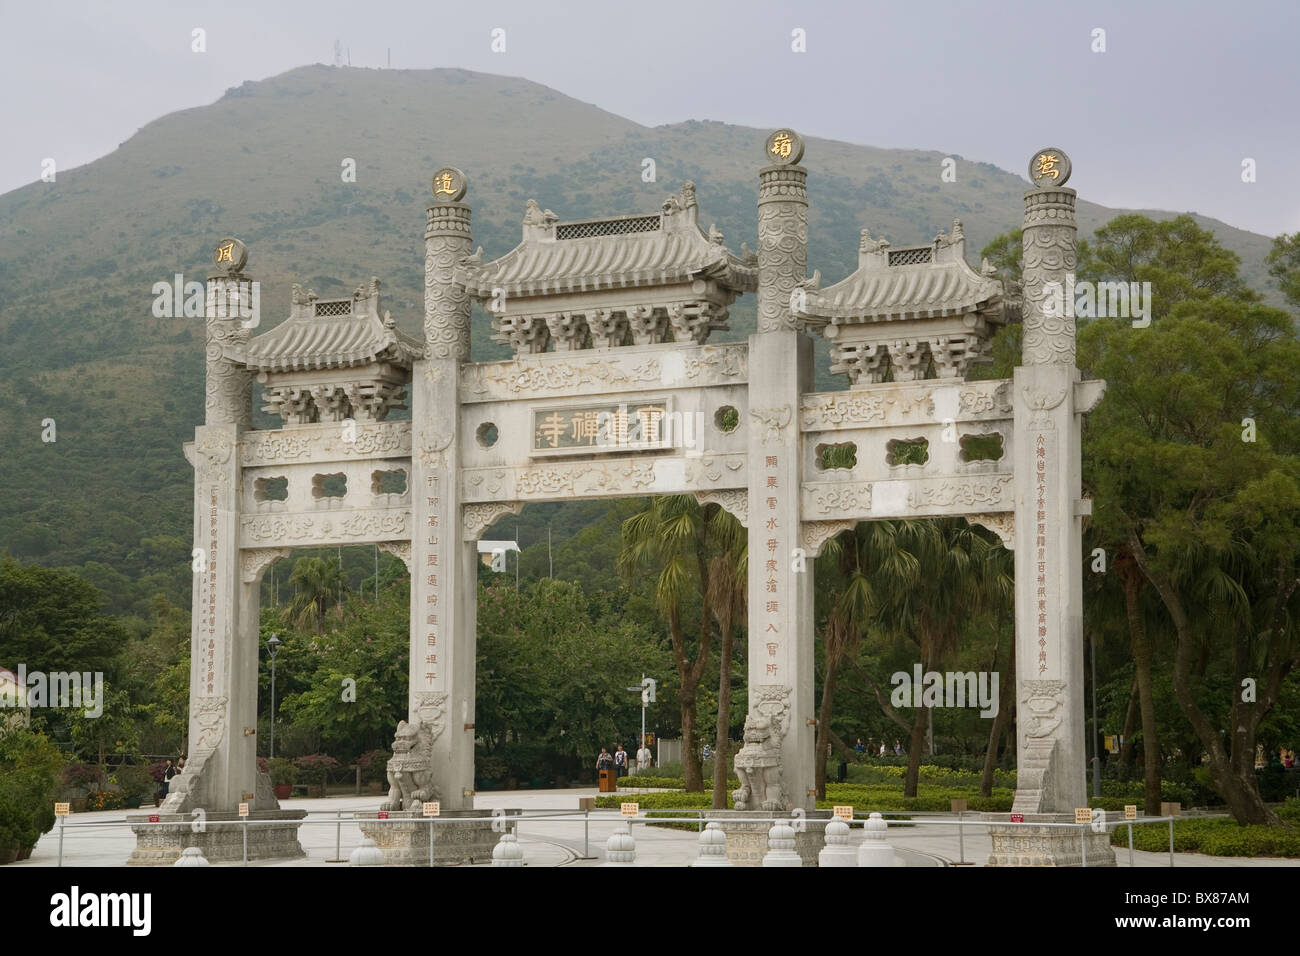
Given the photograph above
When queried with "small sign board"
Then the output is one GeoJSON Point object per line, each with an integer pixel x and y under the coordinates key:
{"type": "Point", "coordinates": [1017, 818]}
{"type": "Point", "coordinates": [843, 813]}
{"type": "Point", "coordinates": [959, 806]}
{"type": "Point", "coordinates": [431, 808]}
{"type": "Point", "coordinates": [243, 809]}
{"type": "Point", "coordinates": [62, 809]}
{"type": "Point", "coordinates": [153, 818]}
{"type": "Point", "coordinates": [382, 815]}
{"type": "Point", "coordinates": [629, 809]}
{"type": "Point", "coordinates": [1082, 814]}
{"type": "Point", "coordinates": [1130, 811]}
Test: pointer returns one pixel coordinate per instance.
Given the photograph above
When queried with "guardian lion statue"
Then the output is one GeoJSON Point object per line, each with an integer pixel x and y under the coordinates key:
{"type": "Point", "coordinates": [758, 765]}
{"type": "Point", "coordinates": [410, 769]}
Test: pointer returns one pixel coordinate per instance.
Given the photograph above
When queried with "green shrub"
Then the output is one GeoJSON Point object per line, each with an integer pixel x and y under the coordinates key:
{"type": "Point", "coordinates": [30, 771]}
{"type": "Point", "coordinates": [136, 781]}
{"type": "Point", "coordinates": [1214, 837]}
{"type": "Point", "coordinates": [282, 771]}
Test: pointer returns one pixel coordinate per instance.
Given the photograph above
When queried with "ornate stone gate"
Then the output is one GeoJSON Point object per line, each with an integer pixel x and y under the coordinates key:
{"type": "Point", "coordinates": [614, 390]}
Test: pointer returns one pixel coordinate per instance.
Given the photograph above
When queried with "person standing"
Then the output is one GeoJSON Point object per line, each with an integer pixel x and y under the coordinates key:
{"type": "Point", "coordinates": [168, 772]}
{"type": "Point", "coordinates": [644, 759]}
{"type": "Point", "coordinates": [604, 761]}
{"type": "Point", "coordinates": [620, 762]}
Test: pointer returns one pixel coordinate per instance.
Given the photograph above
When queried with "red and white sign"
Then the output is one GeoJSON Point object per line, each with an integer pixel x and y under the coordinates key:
{"type": "Point", "coordinates": [243, 809]}
{"type": "Point", "coordinates": [153, 818]}
{"type": "Point", "coordinates": [629, 809]}
{"type": "Point", "coordinates": [383, 815]}
{"type": "Point", "coordinates": [1017, 818]}
{"type": "Point", "coordinates": [843, 813]}
{"type": "Point", "coordinates": [432, 808]}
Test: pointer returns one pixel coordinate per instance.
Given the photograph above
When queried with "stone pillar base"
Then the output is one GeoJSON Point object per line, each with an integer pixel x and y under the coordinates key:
{"type": "Point", "coordinates": [1023, 844]}
{"type": "Point", "coordinates": [161, 844]}
{"type": "Point", "coordinates": [746, 832]}
{"type": "Point", "coordinates": [404, 836]}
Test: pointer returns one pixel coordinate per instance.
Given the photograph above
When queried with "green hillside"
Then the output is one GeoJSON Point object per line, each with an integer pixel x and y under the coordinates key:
{"type": "Point", "coordinates": [78, 259]}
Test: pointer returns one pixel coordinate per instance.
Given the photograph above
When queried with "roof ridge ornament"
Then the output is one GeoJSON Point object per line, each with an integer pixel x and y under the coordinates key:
{"type": "Point", "coordinates": [535, 216]}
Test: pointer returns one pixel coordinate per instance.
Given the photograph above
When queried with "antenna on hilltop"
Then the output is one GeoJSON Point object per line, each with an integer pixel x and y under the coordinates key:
{"type": "Point", "coordinates": [338, 53]}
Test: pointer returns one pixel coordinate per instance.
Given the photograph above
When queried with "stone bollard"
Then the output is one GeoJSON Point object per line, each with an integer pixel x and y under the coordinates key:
{"type": "Point", "coordinates": [366, 854]}
{"type": "Point", "coordinates": [837, 851]}
{"type": "Point", "coordinates": [780, 846]}
{"type": "Point", "coordinates": [192, 856]}
{"type": "Point", "coordinates": [508, 852]}
{"type": "Point", "coordinates": [713, 847]}
{"type": "Point", "coordinates": [620, 848]}
{"type": "Point", "coordinates": [874, 850]}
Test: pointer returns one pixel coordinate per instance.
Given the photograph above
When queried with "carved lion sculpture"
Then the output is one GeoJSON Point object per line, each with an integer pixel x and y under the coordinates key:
{"type": "Point", "coordinates": [410, 769]}
{"type": "Point", "coordinates": [758, 765]}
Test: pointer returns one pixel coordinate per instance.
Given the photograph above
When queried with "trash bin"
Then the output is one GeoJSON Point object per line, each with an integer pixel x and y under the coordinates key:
{"type": "Point", "coordinates": [608, 781]}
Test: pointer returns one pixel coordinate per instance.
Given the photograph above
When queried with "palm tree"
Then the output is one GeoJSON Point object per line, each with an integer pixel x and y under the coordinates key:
{"type": "Point", "coordinates": [673, 538]}
{"type": "Point", "coordinates": [949, 591]}
{"type": "Point", "coordinates": [318, 584]}
{"type": "Point", "coordinates": [875, 567]}
{"type": "Point", "coordinates": [728, 586]}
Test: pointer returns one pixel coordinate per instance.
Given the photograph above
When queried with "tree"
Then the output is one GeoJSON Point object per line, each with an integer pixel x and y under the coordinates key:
{"type": "Point", "coordinates": [875, 569]}
{"type": "Point", "coordinates": [728, 587]}
{"type": "Point", "coordinates": [1192, 462]}
{"type": "Point", "coordinates": [1284, 266]}
{"type": "Point", "coordinates": [319, 583]}
{"type": "Point", "coordinates": [674, 539]}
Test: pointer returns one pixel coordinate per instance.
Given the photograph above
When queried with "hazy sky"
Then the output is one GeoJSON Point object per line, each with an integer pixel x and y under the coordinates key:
{"type": "Point", "coordinates": [1184, 92]}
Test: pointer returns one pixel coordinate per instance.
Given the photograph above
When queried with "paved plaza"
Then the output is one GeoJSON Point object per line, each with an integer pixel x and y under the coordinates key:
{"type": "Point", "coordinates": [103, 839]}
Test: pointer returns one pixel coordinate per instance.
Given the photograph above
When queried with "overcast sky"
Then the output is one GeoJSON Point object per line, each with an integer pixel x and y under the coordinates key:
{"type": "Point", "coordinates": [1164, 118]}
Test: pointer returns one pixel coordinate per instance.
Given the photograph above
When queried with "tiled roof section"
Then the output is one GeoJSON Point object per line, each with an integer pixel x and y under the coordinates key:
{"type": "Point", "coordinates": [905, 283]}
{"type": "Point", "coordinates": [628, 251]}
{"type": "Point", "coordinates": [606, 262]}
{"type": "Point", "coordinates": [310, 341]}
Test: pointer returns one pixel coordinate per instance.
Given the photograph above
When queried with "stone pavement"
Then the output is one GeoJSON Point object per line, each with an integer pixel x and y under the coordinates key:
{"type": "Point", "coordinates": [102, 839]}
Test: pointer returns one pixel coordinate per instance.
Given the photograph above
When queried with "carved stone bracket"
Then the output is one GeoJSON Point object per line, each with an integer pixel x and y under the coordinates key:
{"type": "Point", "coordinates": [733, 501]}
{"type": "Point", "coordinates": [479, 517]}
{"type": "Point", "coordinates": [253, 562]}
{"type": "Point", "coordinates": [1003, 525]}
{"type": "Point", "coordinates": [817, 533]}
{"type": "Point", "coordinates": [400, 549]}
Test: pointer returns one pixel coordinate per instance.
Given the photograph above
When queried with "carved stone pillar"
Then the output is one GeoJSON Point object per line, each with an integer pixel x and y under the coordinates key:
{"type": "Point", "coordinates": [1048, 532]}
{"type": "Point", "coordinates": [782, 236]}
{"type": "Point", "coordinates": [447, 240]}
{"type": "Point", "coordinates": [443, 574]}
{"type": "Point", "coordinates": [229, 298]}
{"type": "Point", "coordinates": [780, 586]}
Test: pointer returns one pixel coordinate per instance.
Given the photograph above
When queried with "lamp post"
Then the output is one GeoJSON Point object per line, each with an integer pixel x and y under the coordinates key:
{"type": "Point", "coordinates": [273, 645]}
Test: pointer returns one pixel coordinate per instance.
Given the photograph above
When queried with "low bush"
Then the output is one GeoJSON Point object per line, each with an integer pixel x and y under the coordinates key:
{"type": "Point", "coordinates": [374, 765]}
{"type": "Point", "coordinates": [1213, 837]}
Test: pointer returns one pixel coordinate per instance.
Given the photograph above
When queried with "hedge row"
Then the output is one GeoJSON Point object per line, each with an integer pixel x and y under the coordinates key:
{"type": "Point", "coordinates": [1214, 837]}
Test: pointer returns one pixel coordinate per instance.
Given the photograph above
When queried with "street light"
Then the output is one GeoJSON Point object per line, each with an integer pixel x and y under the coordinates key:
{"type": "Point", "coordinates": [273, 645]}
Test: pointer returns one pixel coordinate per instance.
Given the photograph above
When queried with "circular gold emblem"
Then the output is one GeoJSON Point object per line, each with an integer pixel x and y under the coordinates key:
{"type": "Point", "coordinates": [230, 255]}
{"type": "Point", "coordinates": [784, 147]}
{"type": "Point", "coordinates": [449, 184]}
{"type": "Point", "coordinates": [1049, 167]}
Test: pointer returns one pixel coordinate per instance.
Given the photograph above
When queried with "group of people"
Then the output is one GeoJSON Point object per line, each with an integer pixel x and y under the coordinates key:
{"type": "Point", "coordinates": [169, 772]}
{"type": "Point", "coordinates": [617, 761]}
{"type": "Point", "coordinates": [868, 750]}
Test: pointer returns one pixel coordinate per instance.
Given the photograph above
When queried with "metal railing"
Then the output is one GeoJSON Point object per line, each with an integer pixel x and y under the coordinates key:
{"type": "Point", "coordinates": [514, 818]}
